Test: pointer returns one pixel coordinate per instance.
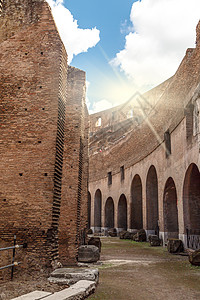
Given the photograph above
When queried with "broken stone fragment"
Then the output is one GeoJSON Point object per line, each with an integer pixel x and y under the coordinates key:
{"type": "Point", "coordinates": [88, 253]}
{"type": "Point", "coordinates": [112, 232]}
{"type": "Point", "coordinates": [90, 231]}
{"type": "Point", "coordinates": [127, 235]}
{"type": "Point", "coordinates": [122, 234]}
{"type": "Point", "coordinates": [72, 275]}
{"type": "Point", "coordinates": [175, 246]}
{"type": "Point", "coordinates": [96, 242]}
{"type": "Point", "coordinates": [140, 236]}
{"type": "Point", "coordinates": [194, 258]}
{"type": "Point", "coordinates": [154, 240]}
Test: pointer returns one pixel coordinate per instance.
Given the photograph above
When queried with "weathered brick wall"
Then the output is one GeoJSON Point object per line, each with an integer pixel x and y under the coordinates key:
{"type": "Point", "coordinates": [29, 112]}
{"type": "Point", "coordinates": [74, 168]}
{"type": "Point", "coordinates": [17, 15]}
{"type": "Point", "coordinates": [42, 121]}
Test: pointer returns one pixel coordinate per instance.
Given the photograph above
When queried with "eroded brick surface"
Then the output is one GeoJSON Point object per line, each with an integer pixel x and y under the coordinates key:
{"type": "Point", "coordinates": [43, 126]}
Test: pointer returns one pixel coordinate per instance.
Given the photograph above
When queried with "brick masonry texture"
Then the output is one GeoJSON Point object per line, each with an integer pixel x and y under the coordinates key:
{"type": "Point", "coordinates": [43, 138]}
{"type": "Point", "coordinates": [133, 135]}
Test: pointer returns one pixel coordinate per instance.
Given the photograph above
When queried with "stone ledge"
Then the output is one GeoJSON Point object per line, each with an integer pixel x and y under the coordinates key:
{"type": "Point", "coordinates": [80, 290]}
{"type": "Point", "coordinates": [36, 295]}
{"type": "Point", "coordinates": [72, 275]}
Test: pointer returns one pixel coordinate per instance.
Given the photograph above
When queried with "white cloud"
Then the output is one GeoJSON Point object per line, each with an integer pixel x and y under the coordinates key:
{"type": "Point", "coordinates": [100, 105]}
{"type": "Point", "coordinates": [163, 30]}
{"type": "Point", "coordinates": [75, 39]}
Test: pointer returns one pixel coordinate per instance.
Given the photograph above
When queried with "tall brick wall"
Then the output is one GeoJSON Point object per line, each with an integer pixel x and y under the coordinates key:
{"type": "Point", "coordinates": [75, 167]}
{"type": "Point", "coordinates": [38, 113]}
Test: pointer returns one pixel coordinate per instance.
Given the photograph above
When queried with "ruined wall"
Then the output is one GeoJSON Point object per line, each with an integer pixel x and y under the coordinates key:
{"type": "Point", "coordinates": [144, 137]}
{"type": "Point", "coordinates": [36, 120]}
{"type": "Point", "coordinates": [110, 118]}
{"type": "Point", "coordinates": [138, 147]}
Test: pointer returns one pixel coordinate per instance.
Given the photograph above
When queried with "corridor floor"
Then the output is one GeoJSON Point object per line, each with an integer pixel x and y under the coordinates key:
{"type": "Point", "coordinates": [137, 271]}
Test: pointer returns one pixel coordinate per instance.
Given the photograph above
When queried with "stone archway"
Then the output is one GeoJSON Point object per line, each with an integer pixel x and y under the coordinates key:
{"type": "Point", "coordinates": [170, 209]}
{"type": "Point", "coordinates": [136, 203]}
{"type": "Point", "coordinates": [97, 211]}
{"type": "Point", "coordinates": [89, 211]}
{"type": "Point", "coordinates": [191, 206]}
{"type": "Point", "coordinates": [109, 213]}
{"type": "Point", "coordinates": [152, 201]}
{"type": "Point", "coordinates": [122, 213]}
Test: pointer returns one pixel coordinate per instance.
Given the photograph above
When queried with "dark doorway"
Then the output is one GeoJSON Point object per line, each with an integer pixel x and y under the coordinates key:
{"type": "Point", "coordinates": [109, 213]}
{"type": "Point", "coordinates": [97, 211]}
{"type": "Point", "coordinates": [152, 200]}
{"type": "Point", "coordinates": [170, 209]}
{"type": "Point", "coordinates": [191, 199]}
{"type": "Point", "coordinates": [122, 213]}
{"type": "Point", "coordinates": [136, 203]}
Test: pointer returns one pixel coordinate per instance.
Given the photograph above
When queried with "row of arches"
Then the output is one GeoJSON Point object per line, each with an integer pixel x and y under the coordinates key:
{"type": "Point", "coordinates": [191, 205]}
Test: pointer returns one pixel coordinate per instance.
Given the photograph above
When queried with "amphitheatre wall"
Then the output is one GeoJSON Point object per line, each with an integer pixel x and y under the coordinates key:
{"type": "Point", "coordinates": [160, 150]}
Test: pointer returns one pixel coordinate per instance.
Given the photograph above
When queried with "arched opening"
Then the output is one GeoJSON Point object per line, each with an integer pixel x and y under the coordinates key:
{"type": "Point", "coordinates": [109, 213]}
{"type": "Point", "coordinates": [152, 201]}
{"type": "Point", "coordinates": [170, 209]}
{"type": "Point", "coordinates": [89, 211]}
{"type": "Point", "coordinates": [97, 211]}
{"type": "Point", "coordinates": [136, 203]}
{"type": "Point", "coordinates": [122, 213]}
{"type": "Point", "coordinates": [191, 206]}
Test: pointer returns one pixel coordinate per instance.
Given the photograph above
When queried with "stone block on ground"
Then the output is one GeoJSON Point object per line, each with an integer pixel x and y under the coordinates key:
{"type": "Point", "coordinates": [140, 236]}
{"type": "Point", "coordinates": [78, 291]}
{"type": "Point", "coordinates": [88, 253]}
{"type": "Point", "coordinates": [154, 240]}
{"type": "Point", "coordinates": [194, 257]}
{"type": "Point", "coordinates": [112, 232]}
{"type": "Point", "coordinates": [128, 235]}
{"type": "Point", "coordinates": [133, 233]}
{"type": "Point", "coordinates": [72, 275]}
{"type": "Point", "coordinates": [36, 295]}
{"type": "Point", "coordinates": [174, 246]}
{"type": "Point", "coordinates": [90, 231]}
{"type": "Point", "coordinates": [122, 234]}
{"type": "Point", "coordinates": [95, 241]}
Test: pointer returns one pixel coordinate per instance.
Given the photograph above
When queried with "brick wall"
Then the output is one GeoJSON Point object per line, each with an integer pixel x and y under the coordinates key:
{"type": "Point", "coordinates": [75, 168]}
{"type": "Point", "coordinates": [37, 128]}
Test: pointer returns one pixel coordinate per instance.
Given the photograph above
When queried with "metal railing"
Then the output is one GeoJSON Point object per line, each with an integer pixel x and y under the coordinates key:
{"type": "Point", "coordinates": [14, 263]}
{"type": "Point", "coordinates": [193, 238]}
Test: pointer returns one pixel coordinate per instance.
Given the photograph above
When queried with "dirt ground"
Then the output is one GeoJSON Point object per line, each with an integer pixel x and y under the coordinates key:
{"type": "Point", "coordinates": [25, 283]}
{"type": "Point", "coordinates": [130, 271]}
{"type": "Point", "coordinates": [136, 271]}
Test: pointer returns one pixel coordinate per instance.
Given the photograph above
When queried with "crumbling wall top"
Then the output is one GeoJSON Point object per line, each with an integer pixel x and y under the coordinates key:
{"type": "Point", "coordinates": [17, 14]}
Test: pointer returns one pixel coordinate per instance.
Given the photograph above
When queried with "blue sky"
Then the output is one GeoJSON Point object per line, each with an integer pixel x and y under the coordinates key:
{"type": "Point", "coordinates": [125, 46]}
{"type": "Point", "coordinates": [108, 16]}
